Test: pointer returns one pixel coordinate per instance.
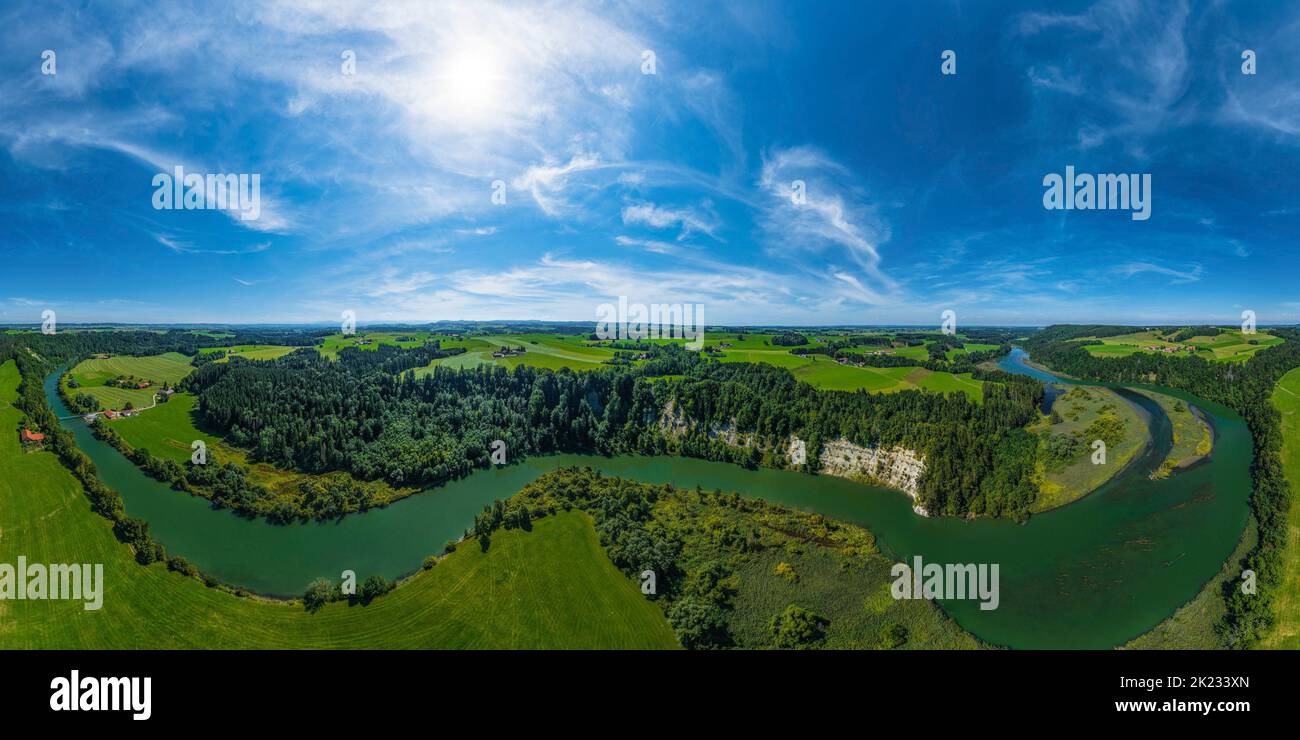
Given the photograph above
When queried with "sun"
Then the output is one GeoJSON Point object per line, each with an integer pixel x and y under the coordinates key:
{"type": "Point", "coordinates": [470, 83]}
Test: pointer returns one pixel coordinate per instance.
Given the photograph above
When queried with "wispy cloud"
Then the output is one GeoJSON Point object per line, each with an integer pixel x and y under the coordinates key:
{"type": "Point", "coordinates": [185, 247]}
{"type": "Point", "coordinates": [688, 219]}
{"type": "Point", "coordinates": [1190, 275]}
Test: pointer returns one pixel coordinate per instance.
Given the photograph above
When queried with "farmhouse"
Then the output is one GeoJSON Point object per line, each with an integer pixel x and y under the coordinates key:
{"type": "Point", "coordinates": [30, 437]}
{"type": "Point", "coordinates": [142, 385]}
{"type": "Point", "coordinates": [110, 414]}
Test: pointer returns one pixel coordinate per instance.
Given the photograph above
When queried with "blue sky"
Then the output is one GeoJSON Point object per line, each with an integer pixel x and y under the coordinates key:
{"type": "Point", "coordinates": [924, 190]}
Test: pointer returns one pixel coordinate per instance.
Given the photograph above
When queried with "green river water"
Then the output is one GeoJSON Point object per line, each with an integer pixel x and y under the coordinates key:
{"type": "Point", "coordinates": [1089, 575]}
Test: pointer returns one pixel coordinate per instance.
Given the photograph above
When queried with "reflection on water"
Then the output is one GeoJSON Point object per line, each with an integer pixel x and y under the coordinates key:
{"type": "Point", "coordinates": [1089, 575]}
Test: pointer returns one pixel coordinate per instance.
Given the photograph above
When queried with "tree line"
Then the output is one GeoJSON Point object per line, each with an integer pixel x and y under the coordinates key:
{"type": "Point", "coordinates": [368, 415]}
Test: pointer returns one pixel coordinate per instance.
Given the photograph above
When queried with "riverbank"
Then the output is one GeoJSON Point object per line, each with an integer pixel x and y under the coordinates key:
{"type": "Point", "coordinates": [1058, 551]}
{"type": "Point", "coordinates": [1068, 466]}
{"type": "Point", "coordinates": [1193, 625]}
{"type": "Point", "coordinates": [1193, 436]}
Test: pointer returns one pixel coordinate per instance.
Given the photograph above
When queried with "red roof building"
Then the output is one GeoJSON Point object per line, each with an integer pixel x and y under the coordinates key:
{"type": "Point", "coordinates": [30, 436]}
{"type": "Point", "coordinates": [110, 414]}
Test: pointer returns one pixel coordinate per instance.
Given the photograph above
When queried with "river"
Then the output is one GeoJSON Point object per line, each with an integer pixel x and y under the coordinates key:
{"type": "Point", "coordinates": [1089, 575]}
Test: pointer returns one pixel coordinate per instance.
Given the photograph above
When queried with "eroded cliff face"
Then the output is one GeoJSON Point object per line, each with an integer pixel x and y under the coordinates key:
{"type": "Point", "coordinates": [895, 467]}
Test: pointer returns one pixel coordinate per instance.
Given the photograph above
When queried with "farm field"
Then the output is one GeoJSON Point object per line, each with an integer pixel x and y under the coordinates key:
{"type": "Point", "coordinates": [1286, 397]}
{"type": "Point", "coordinates": [1230, 346]}
{"type": "Point", "coordinates": [91, 375]}
{"type": "Point", "coordinates": [553, 587]}
{"type": "Point", "coordinates": [1065, 480]}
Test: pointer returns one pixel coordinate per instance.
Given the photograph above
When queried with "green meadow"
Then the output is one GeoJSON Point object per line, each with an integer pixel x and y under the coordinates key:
{"type": "Point", "coordinates": [553, 587]}
{"type": "Point", "coordinates": [371, 340]}
{"type": "Point", "coordinates": [91, 375]}
{"type": "Point", "coordinates": [821, 371]}
{"type": "Point", "coordinates": [550, 351]}
{"type": "Point", "coordinates": [167, 430]}
{"type": "Point", "coordinates": [250, 351]}
{"type": "Point", "coordinates": [1230, 346]}
{"type": "Point", "coordinates": [1286, 397]}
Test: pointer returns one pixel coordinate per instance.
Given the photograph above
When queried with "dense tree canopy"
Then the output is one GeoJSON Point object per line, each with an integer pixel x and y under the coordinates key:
{"type": "Point", "coordinates": [367, 415]}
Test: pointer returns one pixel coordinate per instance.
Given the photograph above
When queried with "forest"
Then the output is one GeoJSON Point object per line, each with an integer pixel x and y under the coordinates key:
{"type": "Point", "coordinates": [365, 414]}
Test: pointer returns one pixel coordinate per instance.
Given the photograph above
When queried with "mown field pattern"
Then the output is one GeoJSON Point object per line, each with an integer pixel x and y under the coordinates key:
{"type": "Point", "coordinates": [92, 374]}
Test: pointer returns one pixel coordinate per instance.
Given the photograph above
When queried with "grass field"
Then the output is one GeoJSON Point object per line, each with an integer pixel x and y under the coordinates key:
{"type": "Point", "coordinates": [549, 588]}
{"type": "Point", "coordinates": [823, 372]}
{"type": "Point", "coordinates": [551, 351]}
{"type": "Point", "coordinates": [1286, 397]}
{"type": "Point", "coordinates": [1078, 409]}
{"type": "Point", "coordinates": [167, 431]}
{"type": "Point", "coordinates": [251, 351]}
{"type": "Point", "coordinates": [1230, 346]}
{"type": "Point", "coordinates": [407, 339]}
{"type": "Point", "coordinates": [92, 374]}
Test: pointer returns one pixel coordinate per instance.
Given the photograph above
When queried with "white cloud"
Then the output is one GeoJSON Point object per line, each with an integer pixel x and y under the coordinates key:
{"type": "Point", "coordinates": [662, 217]}
{"type": "Point", "coordinates": [834, 214]}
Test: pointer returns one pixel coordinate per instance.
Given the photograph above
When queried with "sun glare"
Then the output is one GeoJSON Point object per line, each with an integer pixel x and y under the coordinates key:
{"type": "Point", "coordinates": [469, 84]}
